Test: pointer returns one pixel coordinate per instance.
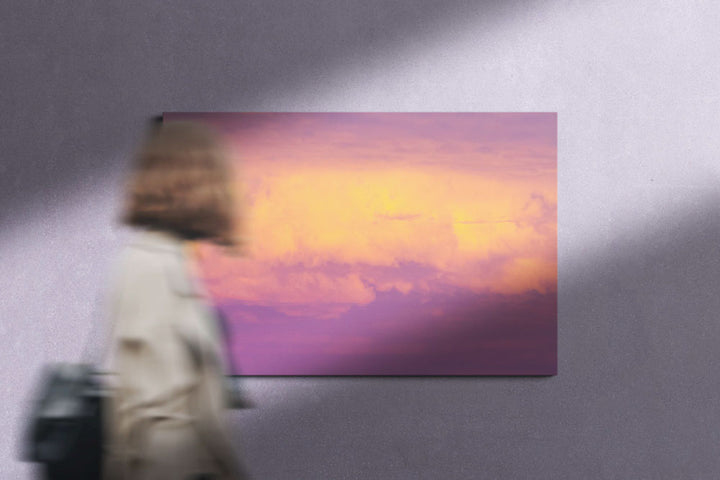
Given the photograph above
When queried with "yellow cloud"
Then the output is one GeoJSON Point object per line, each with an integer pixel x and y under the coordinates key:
{"type": "Point", "coordinates": [451, 221]}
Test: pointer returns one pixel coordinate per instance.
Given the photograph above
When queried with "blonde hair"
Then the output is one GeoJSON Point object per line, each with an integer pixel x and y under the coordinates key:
{"type": "Point", "coordinates": [181, 183]}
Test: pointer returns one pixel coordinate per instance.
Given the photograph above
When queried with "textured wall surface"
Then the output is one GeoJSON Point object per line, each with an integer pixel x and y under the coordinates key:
{"type": "Point", "coordinates": [637, 89]}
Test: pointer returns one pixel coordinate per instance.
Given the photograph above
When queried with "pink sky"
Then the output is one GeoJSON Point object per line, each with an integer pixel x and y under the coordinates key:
{"type": "Point", "coordinates": [355, 219]}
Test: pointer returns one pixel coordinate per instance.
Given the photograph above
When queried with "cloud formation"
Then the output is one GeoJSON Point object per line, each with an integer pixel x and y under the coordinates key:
{"type": "Point", "coordinates": [466, 196]}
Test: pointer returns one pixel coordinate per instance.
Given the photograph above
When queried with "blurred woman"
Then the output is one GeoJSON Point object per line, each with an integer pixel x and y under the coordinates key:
{"type": "Point", "coordinates": [165, 415]}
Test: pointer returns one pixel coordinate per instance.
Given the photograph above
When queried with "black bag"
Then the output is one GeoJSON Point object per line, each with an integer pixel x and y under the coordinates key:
{"type": "Point", "coordinates": [65, 432]}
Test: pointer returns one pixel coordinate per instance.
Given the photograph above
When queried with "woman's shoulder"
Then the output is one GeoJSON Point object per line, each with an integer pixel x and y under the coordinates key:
{"type": "Point", "coordinates": [148, 249]}
{"type": "Point", "coordinates": [157, 255]}
{"type": "Point", "coordinates": [142, 263]}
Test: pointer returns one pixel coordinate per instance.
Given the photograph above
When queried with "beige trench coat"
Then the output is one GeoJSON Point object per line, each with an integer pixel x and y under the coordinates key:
{"type": "Point", "coordinates": [165, 414]}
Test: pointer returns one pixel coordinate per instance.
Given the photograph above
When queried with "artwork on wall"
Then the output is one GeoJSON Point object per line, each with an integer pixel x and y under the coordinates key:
{"type": "Point", "coordinates": [390, 243]}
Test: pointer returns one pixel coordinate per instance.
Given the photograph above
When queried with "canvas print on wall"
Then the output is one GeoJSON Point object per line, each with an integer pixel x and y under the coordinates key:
{"type": "Point", "coordinates": [391, 243]}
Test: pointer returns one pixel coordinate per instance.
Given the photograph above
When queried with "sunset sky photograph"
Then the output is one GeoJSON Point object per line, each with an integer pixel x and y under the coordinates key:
{"type": "Point", "coordinates": [390, 243]}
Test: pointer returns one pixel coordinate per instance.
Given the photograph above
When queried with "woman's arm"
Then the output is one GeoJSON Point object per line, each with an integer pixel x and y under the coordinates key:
{"type": "Point", "coordinates": [209, 398]}
{"type": "Point", "coordinates": [209, 407]}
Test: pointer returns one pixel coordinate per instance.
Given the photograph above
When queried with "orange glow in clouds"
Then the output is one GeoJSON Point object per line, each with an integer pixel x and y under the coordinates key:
{"type": "Point", "coordinates": [336, 213]}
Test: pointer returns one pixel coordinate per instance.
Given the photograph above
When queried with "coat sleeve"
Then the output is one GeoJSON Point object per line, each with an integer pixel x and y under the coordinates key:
{"type": "Point", "coordinates": [141, 332]}
{"type": "Point", "coordinates": [212, 427]}
{"type": "Point", "coordinates": [208, 401]}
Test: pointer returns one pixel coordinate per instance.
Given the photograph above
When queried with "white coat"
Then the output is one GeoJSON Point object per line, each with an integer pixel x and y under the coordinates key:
{"type": "Point", "coordinates": [165, 414]}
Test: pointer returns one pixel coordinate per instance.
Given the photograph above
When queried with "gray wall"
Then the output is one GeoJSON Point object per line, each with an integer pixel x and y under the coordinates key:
{"type": "Point", "coordinates": [637, 89]}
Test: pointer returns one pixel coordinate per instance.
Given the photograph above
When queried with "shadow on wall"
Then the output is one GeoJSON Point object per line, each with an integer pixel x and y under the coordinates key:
{"type": "Point", "coordinates": [84, 80]}
{"type": "Point", "coordinates": [634, 397]}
